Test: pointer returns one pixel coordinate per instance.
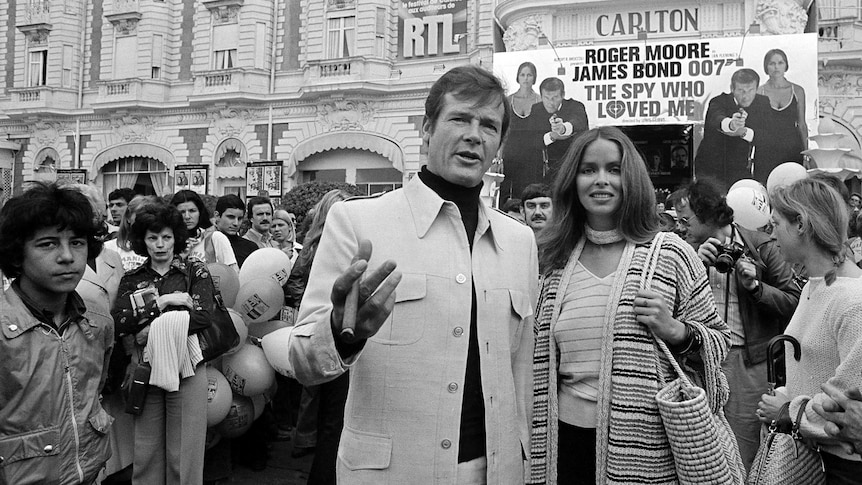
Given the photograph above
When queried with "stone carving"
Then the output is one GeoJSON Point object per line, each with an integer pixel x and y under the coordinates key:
{"type": "Point", "coordinates": [228, 14]}
{"type": "Point", "coordinates": [229, 122]}
{"type": "Point", "coordinates": [342, 115]}
{"type": "Point", "coordinates": [782, 16]}
{"type": "Point", "coordinates": [46, 133]}
{"type": "Point", "coordinates": [38, 36]}
{"type": "Point", "coordinates": [523, 34]}
{"type": "Point", "coordinates": [133, 128]}
{"type": "Point", "coordinates": [128, 26]}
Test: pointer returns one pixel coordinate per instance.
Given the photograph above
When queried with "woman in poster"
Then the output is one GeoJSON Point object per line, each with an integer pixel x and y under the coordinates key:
{"type": "Point", "coordinates": [521, 154]}
{"type": "Point", "coordinates": [525, 97]}
{"type": "Point", "coordinates": [786, 132]}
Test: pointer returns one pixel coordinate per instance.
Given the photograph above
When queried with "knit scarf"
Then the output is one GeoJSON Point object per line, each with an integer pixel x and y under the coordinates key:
{"type": "Point", "coordinates": [631, 445]}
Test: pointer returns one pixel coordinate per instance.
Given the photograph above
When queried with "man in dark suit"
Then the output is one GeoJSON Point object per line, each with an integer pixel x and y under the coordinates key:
{"type": "Point", "coordinates": [536, 144]}
{"type": "Point", "coordinates": [731, 128]}
{"type": "Point", "coordinates": [556, 121]}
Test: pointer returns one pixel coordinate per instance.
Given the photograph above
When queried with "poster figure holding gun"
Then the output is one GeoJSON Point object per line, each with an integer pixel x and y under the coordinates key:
{"type": "Point", "coordinates": [734, 123]}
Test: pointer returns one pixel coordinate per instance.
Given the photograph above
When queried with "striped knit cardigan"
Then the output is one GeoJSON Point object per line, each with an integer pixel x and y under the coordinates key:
{"type": "Point", "coordinates": [631, 445]}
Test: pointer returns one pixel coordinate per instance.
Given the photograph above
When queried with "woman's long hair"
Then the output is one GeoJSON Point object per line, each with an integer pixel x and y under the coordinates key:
{"type": "Point", "coordinates": [182, 196]}
{"type": "Point", "coordinates": [636, 218]}
{"type": "Point", "coordinates": [315, 230]}
{"type": "Point", "coordinates": [124, 233]}
{"type": "Point", "coordinates": [821, 212]}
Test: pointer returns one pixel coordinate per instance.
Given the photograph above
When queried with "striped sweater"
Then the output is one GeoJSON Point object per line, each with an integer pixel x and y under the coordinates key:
{"type": "Point", "coordinates": [631, 445]}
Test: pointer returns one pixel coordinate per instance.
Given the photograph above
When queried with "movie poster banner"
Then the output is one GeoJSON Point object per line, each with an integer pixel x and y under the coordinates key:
{"type": "Point", "coordinates": [663, 81]}
{"type": "Point", "coordinates": [264, 178]}
{"type": "Point", "coordinates": [429, 28]}
{"type": "Point", "coordinates": [191, 177]}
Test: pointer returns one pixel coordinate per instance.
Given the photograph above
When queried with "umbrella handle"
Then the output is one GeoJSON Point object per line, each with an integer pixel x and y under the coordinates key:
{"type": "Point", "coordinates": [770, 354]}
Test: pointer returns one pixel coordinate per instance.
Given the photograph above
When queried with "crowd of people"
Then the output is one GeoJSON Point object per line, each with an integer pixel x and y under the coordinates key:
{"type": "Point", "coordinates": [431, 337]}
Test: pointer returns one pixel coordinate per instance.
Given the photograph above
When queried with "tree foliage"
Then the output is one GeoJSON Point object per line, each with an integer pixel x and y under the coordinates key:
{"type": "Point", "coordinates": [304, 196]}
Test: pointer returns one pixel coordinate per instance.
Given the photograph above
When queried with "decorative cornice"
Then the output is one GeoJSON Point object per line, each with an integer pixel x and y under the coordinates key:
{"type": "Point", "coordinates": [133, 127]}
{"type": "Point", "coordinates": [523, 34]}
{"type": "Point", "coordinates": [224, 11]}
{"type": "Point", "coordinates": [36, 34]}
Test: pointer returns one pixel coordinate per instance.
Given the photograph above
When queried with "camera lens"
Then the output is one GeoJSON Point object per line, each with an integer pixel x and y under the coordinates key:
{"type": "Point", "coordinates": [724, 263]}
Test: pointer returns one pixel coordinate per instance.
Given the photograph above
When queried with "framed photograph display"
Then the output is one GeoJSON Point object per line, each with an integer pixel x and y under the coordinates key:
{"type": "Point", "coordinates": [264, 178]}
{"type": "Point", "coordinates": [191, 177]}
{"type": "Point", "coordinates": [75, 176]}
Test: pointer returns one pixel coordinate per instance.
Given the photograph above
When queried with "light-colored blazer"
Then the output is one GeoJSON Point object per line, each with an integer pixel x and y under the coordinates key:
{"type": "Point", "coordinates": [402, 418]}
{"type": "Point", "coordinates": [101, 285]}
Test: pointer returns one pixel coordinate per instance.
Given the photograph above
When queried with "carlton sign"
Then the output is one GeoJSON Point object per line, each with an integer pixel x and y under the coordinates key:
{"type": "Point", "coordinates": [651, 21]}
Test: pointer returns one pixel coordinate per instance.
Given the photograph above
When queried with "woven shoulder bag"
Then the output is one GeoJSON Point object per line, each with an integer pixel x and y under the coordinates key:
{"type": "Point", "coordinates": [784, 458]}
{"type": "Point", "coordinates": [704, 447]}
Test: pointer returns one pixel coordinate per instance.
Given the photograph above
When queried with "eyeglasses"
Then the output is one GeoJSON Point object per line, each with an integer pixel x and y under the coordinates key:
{"type": "Point", "coordinates": [684, 221]}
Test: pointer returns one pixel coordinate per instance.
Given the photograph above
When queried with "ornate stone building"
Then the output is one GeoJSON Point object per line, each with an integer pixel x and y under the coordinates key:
{"type": "Point", "coordinates": [126, 92]}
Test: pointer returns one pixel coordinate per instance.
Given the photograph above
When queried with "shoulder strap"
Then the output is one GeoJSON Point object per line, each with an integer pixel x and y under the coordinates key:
{"type": "Point", "coordinates": [209, 249]}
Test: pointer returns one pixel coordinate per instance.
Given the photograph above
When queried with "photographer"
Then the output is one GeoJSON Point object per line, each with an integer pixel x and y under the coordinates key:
{"type": "Point", "coordinates": [755, 294]}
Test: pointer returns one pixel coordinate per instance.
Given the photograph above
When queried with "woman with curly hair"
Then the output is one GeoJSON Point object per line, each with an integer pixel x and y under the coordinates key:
{"type": "Point", "coordinates": [166, 300]}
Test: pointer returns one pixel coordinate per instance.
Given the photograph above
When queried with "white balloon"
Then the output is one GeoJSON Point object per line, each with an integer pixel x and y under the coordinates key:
{"type": "Point", "coordinates": [785, 174]}
{"type": "Point", "coordinates": [259, 300]}
{"type": "Point", "coordinates": [266, 263]}
{"type": "Point", "coordinates": [754, 184]}
{"type": "Point", "coordinates": [750, 207]}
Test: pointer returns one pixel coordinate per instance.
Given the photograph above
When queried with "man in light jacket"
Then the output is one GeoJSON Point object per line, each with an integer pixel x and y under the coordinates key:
{"type": "Point", "coordinates": [441, 368]}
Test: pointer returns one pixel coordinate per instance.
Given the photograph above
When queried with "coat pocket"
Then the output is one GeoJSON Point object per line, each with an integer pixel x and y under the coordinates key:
{"type": "Point", "coordinates": [521, 310]}
{"type": "Point", "coordinates": [406, 324]}
{"type": "Point", "coordinates": [361, 450]}
{"type": "Point", "coordinates": [31, 457]}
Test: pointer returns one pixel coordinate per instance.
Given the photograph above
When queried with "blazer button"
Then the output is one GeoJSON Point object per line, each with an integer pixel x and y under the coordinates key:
{"type": "Point", "coordinates": [48, 449]}
{"type": "Point", "coordinates": [458, 331]}
{"type": "Point", "coordinates": [453, 387]}
{"type": "Point", "coordinates": [445, 444]}
{"type": "Point", "coordinates": [13, 327]}
{"type": "Point", "coordinates": [461, 279]}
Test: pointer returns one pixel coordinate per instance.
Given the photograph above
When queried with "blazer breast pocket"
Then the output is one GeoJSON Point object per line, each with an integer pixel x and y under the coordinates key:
{"type": "Point", "coordinates": [362, 450]}
{"type": "Point", "coordinates": [513, 308]}
{"type": "Point", "coordinates": [406, 325]}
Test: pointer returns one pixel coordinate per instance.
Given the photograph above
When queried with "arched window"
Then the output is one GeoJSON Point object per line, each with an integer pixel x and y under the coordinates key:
{"type": "Point", "coordinates": [143, 174]}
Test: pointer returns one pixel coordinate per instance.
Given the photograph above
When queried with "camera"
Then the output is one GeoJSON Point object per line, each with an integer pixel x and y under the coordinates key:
{"type": "Point", "coordinates": [728, 255]}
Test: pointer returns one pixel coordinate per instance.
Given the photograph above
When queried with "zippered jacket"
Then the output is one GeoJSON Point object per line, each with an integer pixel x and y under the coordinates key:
{"type": "Point", "coordinates": [53, 429]}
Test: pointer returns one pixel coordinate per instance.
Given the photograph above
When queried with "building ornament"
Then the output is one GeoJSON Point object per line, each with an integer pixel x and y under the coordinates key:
{"type": "Point", "coordinates": [46, 133]}
{"type": "Point", "coordinates": [523, 34]}
{"type": "Point", "coordinates": [131, 128]}
{"type": "Point", "coordinates": [126, 26]}
{"type": "Point", "coordinates": [343, 115]}
{"type": "Point", "coordinates": [36, 34]}
{"type": "Point", "coordinates": [230, 122]}
{"type": "Point", "coordinates": [782, 16]}
{"type": "Point", "coordinates": [228, 14]}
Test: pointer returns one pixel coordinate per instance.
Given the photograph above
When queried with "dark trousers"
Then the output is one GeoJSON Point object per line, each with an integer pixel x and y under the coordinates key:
{"type": "Point", "coordinates": [576, 461]}
{"type": "Point", "coordinates": [840, 471]}
{"type": "Point", "coordinates": [330, 420]}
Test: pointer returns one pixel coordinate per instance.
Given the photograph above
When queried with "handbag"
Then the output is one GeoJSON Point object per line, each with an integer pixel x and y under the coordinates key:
{"type": "Point", "coordinates": [221, 335]}
{"type": "Point", "coordinates": [784, 457]}
{"type": "Point", "coordinates": [703, 446]}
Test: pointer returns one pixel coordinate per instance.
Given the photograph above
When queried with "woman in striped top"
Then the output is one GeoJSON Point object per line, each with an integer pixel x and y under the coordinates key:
{"type": "Point", "coordinates": [597, 367]}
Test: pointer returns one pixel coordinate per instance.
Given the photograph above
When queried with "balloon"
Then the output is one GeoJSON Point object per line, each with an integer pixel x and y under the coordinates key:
{"type": "Point", "coordinates": [238, 419]}
{"type": "Point", "coordinates": [241, 329]}
{"type": "Point", "coordinates": [259, 329]}
{"type": "Point", "coordinates": [259, 402]}
{"type": "Point", "coordinates": [218, 397]}
{"type": "Point", "coordinates": [259, 300]}
{"type": "Point", "coordinates": [248, 371]}
{"type": "Point", "coordinates": [750, 207]}
{"type": "Point", "coordinates": [226, 282]}
{"type": "Point", "coordinates": [266, 263]}
{"type": "Point", "coordinates": [754, 184]}
{"type": "Point", "coordinates": [785, 174]}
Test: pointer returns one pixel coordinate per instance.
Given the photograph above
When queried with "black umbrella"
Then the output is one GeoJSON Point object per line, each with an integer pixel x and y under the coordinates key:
{"type": "Point", "coordinates": [770, 357]}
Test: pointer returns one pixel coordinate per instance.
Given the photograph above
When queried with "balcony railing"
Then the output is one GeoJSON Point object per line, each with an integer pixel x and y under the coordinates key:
{"type": "Point", "coordinates": [29, 95]}
{"type": "Point", "coordinates": [37, 99]}
{"type": "Point", "coordinates": [118, 89]}
{"type": "Point", "coordinates": [333, 69]}
{"type": "Point", "coordinates": [217, 79]}
{"type": "Point", "coordinates": [126, 6]}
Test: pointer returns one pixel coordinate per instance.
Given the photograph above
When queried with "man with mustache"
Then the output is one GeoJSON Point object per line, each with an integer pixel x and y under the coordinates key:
{"type": "Point", "coordinates": [260, 215]}
{"type": "Point", "coordinates": [537, 206]}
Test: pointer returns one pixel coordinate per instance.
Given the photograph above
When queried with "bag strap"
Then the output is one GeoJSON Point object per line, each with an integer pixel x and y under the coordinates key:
{"type": "Point", "coordinates": [795, 430]}
{"type": "Point", "coordinates": [650, 266]}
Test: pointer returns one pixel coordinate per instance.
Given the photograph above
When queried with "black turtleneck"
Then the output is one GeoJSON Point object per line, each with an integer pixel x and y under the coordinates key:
{"type": "Point", "coordinates": [471, 444]}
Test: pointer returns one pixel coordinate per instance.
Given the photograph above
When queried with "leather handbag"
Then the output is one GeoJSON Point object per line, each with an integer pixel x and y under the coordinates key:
{"type": "Point", "coordinates": [221, 335]}
{"type": "Point", "coordinates": [784, 457]}
{"type": "Point", "coordinates": [704, 447]}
